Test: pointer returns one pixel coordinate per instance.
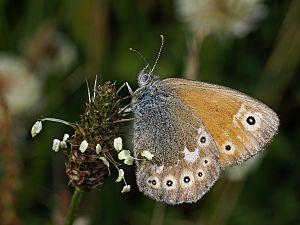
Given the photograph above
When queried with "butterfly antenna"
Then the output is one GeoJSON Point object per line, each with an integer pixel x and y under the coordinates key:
{"type": "Point", "coordinates": [143, 57]}
{"type": "Point", "coordinates": [158, 55]}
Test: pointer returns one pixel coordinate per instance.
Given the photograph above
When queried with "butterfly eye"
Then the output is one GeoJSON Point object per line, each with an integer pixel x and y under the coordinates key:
{"type": "Point", "coordinates": [144, 77]}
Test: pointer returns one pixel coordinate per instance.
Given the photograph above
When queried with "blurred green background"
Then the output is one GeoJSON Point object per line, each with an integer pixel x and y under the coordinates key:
{"type": "Point", "coordinates": [49, 48]}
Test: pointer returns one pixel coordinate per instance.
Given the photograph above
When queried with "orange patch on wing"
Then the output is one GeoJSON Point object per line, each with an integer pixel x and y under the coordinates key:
{"type": "Point", "coordinates": [217, 113]}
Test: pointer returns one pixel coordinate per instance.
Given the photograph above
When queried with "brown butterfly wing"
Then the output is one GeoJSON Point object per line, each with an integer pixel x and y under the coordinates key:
{"type": "Point", "coordinates": [185, 163]}
{"type": "Point", "coordinates": [240, 125]}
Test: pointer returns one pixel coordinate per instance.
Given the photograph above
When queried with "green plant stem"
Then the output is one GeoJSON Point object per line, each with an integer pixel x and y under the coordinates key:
{"type": "Point", "coordinates": [77, 195]}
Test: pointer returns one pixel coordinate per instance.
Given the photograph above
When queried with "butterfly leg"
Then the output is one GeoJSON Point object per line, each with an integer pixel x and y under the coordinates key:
{"type": "Point", "coordinates": [128, 87]}
{"type": "Point", "coordinates": [124, 120]}
{"type": "Point", "coordinates": [126, 109]}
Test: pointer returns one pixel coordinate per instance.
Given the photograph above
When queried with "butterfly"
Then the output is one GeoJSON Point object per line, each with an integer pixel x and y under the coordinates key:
{"type": "Point", "coordinates": [194, 130]}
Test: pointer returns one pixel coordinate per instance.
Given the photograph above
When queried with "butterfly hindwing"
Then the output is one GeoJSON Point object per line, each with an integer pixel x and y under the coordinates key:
{"type": "Point", "coordinates": [185, 163]}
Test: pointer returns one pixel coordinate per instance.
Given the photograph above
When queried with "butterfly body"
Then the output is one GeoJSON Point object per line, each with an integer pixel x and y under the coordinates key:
{"type": "Point", "coordinates": [194, 130]}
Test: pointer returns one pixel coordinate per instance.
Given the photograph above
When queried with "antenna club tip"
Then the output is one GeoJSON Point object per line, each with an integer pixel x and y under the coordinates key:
{"type": "Point", "coordinates": [162, 36]}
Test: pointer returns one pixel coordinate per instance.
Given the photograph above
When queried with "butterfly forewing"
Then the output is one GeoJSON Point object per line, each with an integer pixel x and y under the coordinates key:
{"type": "Point", "coordinates": [240, 125]}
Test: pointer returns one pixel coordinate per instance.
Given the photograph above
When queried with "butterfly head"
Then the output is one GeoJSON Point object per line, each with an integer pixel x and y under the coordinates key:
{"type": "Point", "coordinates": [145, 76]}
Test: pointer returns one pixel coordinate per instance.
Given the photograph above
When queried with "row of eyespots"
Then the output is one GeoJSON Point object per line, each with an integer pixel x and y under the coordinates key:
{"type": "Point", "coordinates": [170, 182]}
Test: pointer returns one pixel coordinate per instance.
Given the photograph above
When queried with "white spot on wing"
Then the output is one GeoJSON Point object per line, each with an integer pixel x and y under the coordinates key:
{"type": "Point", "coordinates": [190, 157]}
{"type": "Point", "coordinates": [159, 169]}
{"type": "Point", "coordinates": [239, 115]}
{"type": "Point", "coordinates": [225, 133]}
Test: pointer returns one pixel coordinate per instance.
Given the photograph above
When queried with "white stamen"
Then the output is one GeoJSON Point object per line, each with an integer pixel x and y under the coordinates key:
{"type": "Point", "coordinates": [36, 128]}
{"type": "Point", "coordinates": [126, 188]}
{"type": "Point", "coordinates": [148, 155]}
{"type": "Point", "coordinates": [83, 146]}
{"type": "Point", "coordinates": [55, 145]}
{"type": "Point", "coordinates": [66, 137]}
{"type": "Point", "coordinates": [105, 161]}
{"type": "Point", "coordinates": [118, 144]}
{"type": "Point", "coordinates": [98, 148]}
{"type": "Point", "coordinates": [63, 143]}
{"type": "Point", "coordinates": [121, 175]}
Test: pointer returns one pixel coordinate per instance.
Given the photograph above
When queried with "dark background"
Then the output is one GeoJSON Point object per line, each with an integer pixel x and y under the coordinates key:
{"type": "Point", "coordinates": [60, 43]}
